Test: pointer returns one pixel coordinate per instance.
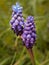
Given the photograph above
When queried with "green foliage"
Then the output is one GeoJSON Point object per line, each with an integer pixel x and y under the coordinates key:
{"type": "Point", "coordinates": [9, 54]}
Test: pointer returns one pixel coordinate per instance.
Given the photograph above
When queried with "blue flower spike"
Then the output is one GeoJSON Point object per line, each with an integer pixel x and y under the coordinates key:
{"type": "Point", "coordinates": [17, 20]}
{"type": "Point", "coordinates": [30, 32]}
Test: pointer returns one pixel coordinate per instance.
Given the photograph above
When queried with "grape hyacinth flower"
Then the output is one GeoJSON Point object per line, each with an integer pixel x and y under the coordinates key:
{"type": "Point", "coordinates": [26, 30]}
{"type": "Point", "coordinates": [29, 32]}
{"type": "Point", "coordinates": [17, 21]}
{"type": "Point", "coordinates": [29, 36]}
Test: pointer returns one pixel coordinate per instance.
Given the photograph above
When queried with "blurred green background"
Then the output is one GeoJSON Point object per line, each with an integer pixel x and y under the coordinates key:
{"type": "Point", "coordinates": [9, 54]}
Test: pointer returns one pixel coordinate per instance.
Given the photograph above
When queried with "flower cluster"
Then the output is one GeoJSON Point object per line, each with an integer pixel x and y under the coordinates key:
{"type": "Point", "coordinates": [29, 32]}
{"type": "Point", "coordinates": [25, 29]}
{"type": "Point", "coordinates": [17, 21]}
{"type": "Point", "coordinates": [17, 8]}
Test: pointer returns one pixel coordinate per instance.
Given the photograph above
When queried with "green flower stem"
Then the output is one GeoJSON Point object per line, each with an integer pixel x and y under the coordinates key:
{"type": "Point", "coordinates": [31, 56]}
